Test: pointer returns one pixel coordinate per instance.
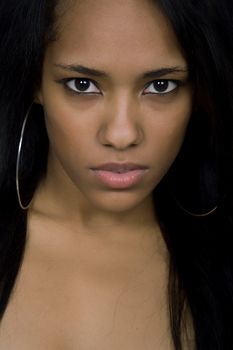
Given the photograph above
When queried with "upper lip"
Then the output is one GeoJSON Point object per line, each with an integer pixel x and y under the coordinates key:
{"type": "Point", "coordinates": [119, 167]}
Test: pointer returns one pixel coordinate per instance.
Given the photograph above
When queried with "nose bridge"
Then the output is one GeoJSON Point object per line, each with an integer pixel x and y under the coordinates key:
{"type": "Point", "coordinates": [121, 127]}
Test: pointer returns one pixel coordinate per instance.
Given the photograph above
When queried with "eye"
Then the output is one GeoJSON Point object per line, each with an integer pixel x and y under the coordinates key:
{"type": "Point", "coordinates": [82, 86]}
{"type": "Point", "coordinates": [161, 87]}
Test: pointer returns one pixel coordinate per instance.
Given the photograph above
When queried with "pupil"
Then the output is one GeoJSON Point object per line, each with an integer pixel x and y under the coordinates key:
{"type": "Point", "coordinates": [82, 85]}
{"type": "Point", "coordinates": [161, 86]}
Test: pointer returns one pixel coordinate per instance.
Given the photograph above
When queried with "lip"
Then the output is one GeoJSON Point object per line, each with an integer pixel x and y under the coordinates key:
{"type": "Point", "coordinates": [119, 167]}
{"type": "Point", "coordinates": [119, 175]}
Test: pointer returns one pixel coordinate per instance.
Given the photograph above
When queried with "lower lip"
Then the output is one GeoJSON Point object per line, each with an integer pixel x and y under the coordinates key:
{"type": "Point", "coordinates": [122, 180]}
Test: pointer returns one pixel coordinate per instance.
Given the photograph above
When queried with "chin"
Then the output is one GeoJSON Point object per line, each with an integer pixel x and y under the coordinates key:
{"type": "Point", "coordinates": [120, 202]}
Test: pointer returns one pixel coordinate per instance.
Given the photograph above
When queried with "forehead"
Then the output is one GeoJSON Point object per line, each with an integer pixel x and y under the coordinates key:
{"type": "Point", "coordinates": [116, 31]}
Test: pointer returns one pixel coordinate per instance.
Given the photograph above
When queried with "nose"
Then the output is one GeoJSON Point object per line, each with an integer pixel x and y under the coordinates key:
{"type": "Point", "coordinates": [122, 126]}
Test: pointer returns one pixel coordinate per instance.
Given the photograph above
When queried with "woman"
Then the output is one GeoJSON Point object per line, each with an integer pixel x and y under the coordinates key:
{"type": "Point", "coordinates": [116, 174]}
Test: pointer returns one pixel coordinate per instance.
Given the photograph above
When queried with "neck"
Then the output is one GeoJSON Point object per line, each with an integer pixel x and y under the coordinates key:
{"type": "Point", "coordinates": [70, 216]}
{"type": "Point", "coordinates": [58, 199]}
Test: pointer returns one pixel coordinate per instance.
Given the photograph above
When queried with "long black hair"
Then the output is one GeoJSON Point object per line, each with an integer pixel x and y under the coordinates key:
{"type": "Point", "coordinates": [201, 178]}
{"type": "Point", "coordinates": [202, 175]}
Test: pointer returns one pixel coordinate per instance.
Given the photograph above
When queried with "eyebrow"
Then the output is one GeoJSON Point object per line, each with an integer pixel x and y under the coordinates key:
{"type": "Point", "coordinates": [158, 73]}
{"type": "Point", "coordinates": [83, 70]}
{"type": "Point", "coordinates": [164, 71]}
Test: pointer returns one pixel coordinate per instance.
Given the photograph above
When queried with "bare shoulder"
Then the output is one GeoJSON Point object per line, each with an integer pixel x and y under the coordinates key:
{"type": "Point", "coordinates": [67, 299]}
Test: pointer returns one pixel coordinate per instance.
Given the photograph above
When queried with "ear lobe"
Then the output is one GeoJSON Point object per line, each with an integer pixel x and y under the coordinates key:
{"type": "Point", "coordinates": [38, 98]}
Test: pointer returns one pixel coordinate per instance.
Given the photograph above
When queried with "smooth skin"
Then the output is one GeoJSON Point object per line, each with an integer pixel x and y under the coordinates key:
{"type": "Point", "coordinates": [95, 270]}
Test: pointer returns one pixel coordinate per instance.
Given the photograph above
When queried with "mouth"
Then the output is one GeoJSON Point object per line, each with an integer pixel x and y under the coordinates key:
{"type": "Point", "coordinates": [120, 167]}
{"type": "Point", "coordinates": [119, 176]}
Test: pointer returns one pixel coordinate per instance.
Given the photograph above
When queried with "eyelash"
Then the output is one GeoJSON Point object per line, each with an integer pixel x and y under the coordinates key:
{"type": "Point", "coordinates": [161, 82]}
{"type": "Point", "coordinates": [178, 83]}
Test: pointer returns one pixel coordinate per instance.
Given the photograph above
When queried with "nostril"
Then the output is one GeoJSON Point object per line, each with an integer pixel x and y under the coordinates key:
{"type": "Point", "coordinates": [120, 136]}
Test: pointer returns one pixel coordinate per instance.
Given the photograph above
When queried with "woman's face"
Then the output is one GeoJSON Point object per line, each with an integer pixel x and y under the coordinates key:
{"type": "Point", "coordinates": [117, 101]}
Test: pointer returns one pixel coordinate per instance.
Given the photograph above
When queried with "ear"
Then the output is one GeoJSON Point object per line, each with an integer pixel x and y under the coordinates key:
{"type": "Point", "coordinates": [38, 98]}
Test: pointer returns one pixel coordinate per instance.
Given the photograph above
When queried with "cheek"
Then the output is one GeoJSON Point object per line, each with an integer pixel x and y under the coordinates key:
{"type": "Point", "coordinates": [69, 138]}
{"type": "Point", "coordinates": [68, 119]}
{"type": "Point", "coordinates": [168, 134]}
{"type": "Point", "coordinates": [69, 124]}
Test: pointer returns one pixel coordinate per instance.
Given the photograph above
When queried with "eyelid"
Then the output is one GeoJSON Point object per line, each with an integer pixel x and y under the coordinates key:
{"type": "Point", "coordinates": [64, 82]}
{"type": "Point", "coordinates": [175, 81]}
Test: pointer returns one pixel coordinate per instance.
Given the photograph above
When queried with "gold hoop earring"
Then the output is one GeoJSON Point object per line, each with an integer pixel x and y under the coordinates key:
{"type": "Point", "coordinates": [24, 207]}
{"type": "Point", "coordinates": [211, 211]}
{"type": "Point", "coordinates": [197, 215]}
